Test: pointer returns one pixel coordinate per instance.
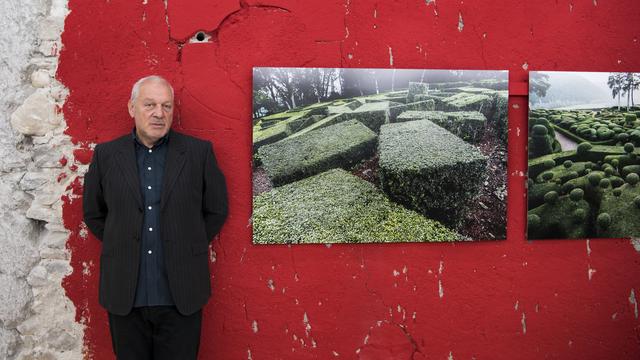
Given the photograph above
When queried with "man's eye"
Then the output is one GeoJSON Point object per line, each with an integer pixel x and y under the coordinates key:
{"type": "Point", "coordinates": [167, 107]}
{"type": "Point", "coordinates": [148, 105]}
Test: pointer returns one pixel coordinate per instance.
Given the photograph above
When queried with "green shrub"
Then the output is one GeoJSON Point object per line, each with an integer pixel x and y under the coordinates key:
{"type": "Point", "coordinates": [583, 148]}
{"type": "Point", "coordinates": [632, 179]}
{"type": "Point", "coordinates": [604, 220]}
{"type": "Point", "coordinates": [427, 168]}
{"type": "Point", "coordinates": [576, 194]}
{"type": "Point", "coordinates": [337, 207]}
{"type": "Point", "coordinates": [339, 145]}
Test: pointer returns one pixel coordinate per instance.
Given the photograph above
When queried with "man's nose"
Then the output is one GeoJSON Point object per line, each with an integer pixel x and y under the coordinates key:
{"type": "Point", "coordinates": [157, 111]}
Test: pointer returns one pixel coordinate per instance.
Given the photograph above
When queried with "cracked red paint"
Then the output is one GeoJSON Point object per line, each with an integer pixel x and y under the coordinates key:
{"type": "Point", "coordinates": [346, 290]}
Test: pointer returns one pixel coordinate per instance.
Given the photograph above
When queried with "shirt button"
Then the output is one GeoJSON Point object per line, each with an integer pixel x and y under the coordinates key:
{"type": "Point", "coordinates": [150, 150]}
{"type": "Point", "coordinates": [149, 187]}
{"type": "Point", "coordinates": [149, 252]}
{"type": "Point", "coordinates": [150, 229]}
{"type": "Point", "coordinates": [149, 168]}
{"type": "Point", "coordinates": [149, 208]}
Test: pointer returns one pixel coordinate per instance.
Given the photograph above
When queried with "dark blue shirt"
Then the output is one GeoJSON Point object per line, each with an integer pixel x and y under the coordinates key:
{"type": "Point", "coordinates": [153, 283]}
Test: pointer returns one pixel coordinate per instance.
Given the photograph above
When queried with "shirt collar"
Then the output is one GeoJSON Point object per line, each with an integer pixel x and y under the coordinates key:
{"type": "Point", "coordinates": [161, 141]}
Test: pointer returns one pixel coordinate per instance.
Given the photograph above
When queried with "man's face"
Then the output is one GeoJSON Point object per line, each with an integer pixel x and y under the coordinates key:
{"type": "Point", "coordinates": [152, 110]}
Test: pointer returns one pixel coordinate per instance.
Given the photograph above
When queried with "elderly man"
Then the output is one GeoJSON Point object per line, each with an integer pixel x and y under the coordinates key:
{"type": "Point", "coordinates": [155, 198]}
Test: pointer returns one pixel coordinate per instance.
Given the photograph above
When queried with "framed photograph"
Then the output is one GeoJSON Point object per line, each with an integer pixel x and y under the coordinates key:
{"type": "Point", "coordinates": [378, 155]}
{"type": "Point", "coordinates": [584, 134]}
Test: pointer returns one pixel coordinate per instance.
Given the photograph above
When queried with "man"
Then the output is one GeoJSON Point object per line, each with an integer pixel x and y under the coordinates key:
{"type": "Point", "coordinates": [155, 198]}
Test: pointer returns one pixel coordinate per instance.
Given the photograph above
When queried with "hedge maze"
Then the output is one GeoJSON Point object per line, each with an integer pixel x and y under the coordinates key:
{"type": "Point", "coordinates": [591, 191]}
{"type": "Point", "coordinates": [392, 167]}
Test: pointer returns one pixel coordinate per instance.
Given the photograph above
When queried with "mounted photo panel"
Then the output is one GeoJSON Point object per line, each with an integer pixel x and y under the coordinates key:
{"type": "Point", "coordinates": [378, 155]}
{"type": "Point", "coordinates": [584, 160]}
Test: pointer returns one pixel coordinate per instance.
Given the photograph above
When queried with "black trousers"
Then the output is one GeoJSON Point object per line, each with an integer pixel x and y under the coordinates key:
{"type": "Point", "coordinates": [155, 333]}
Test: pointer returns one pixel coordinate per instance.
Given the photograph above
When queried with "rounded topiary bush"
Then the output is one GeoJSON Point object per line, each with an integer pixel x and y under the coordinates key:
{"type": "Point", "coordinates": [548, 164]}
{"type": "Point", "coordinates": [617, 192]}
{"type": "Point", "coordinates": [604, 183]}
{"type": "Point", "coordinates": [616, 181]}
{"type": "Point", "coordinates": [632, 179]}
{"type": "Point", "coordinates": [609, 170]}
{"type": "Point", "coordinates": [628, 148]}
{"type": "Point", "coordinates": [604, 220]}
{"type": "Point", "coordinates": [615, 162]}
{"type": "Point", "coordinates": [594, 179]}
{"type": "Point", "coordinates": [579, 215]}
{"type": "Point", "coordinates": [567, 164]}
{"type": "Point", "coordinates": [546, 176]}
{"type": "Point", "coordinates": [551, 197]}
{"type": "Point", "coordinates": [576, 194]}
{"type": "Point", "coordinates": [584, 147]}
{"type": "Point", "coordinates": [539, 130]}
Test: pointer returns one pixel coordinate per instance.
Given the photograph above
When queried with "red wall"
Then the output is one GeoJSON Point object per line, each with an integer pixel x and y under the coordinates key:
{"type": "Point", "coordinates": [510, 299]}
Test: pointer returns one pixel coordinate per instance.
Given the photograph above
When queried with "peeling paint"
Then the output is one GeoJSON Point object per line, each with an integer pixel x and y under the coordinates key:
{"type": "Point", "coordinates": [590, 272]}
{"type": "Point", "coordinates": [254, 326]}
{"type": "Point", "coordinates": [523, 321]}
{"type": "Point", "coordinates": [390, 56]}
{"type": "Point", "coordinates": [636, 243]}
{"type": "Point", "coordinates": [588, 248]}
{"type": "Point", "coordinates": [271, 285]}
{"type": "Point", "coordinates": [515, 307]}
{"type": "Point", "coordinates": [632, 301]}
{"type": "Point", "coordinates": [450, 357]}
{"type": "Point", "coordinates": [460, 22]}
{"type": "Point", "coordinates": [307, 325]}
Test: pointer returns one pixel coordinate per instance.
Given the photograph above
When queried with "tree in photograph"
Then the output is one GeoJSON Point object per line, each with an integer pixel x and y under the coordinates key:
{"type": "Point", "coordinates": [615, 82]}
{"type": "Point", "coordinates": [539, 84]}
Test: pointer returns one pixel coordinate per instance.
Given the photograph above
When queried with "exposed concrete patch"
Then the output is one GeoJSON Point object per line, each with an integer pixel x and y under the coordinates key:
{"type": "Point", "coordinates": [36, 317]}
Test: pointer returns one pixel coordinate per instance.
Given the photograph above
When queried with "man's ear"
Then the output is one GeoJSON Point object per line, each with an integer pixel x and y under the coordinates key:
{"type": "Point", "coordinates": [130, 107]}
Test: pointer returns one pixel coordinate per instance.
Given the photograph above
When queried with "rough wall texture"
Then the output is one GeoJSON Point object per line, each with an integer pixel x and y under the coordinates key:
{"type": "Point", "coordinates": [494, 300]}
{"type": "Point", "coordinates": [37, 318]}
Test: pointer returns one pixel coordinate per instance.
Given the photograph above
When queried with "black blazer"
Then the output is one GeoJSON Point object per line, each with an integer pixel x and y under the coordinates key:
{"type": "Point", "coordinates": [193, 208]}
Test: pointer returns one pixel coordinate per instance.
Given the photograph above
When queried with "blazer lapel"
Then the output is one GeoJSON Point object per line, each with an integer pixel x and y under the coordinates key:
{"type": "Point", "coordinates": [173, 166]}
{"type": "Point", "coordinates": [127, 163]}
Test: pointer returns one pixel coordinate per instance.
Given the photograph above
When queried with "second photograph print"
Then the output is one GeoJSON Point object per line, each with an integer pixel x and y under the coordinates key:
{"type": "Point", "coordinates": [378, 155]}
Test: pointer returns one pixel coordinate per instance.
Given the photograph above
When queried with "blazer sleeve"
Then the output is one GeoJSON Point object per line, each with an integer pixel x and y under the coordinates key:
{"type": "Point", "coordinates": [93, 205]}
{"type": "Point", "coordinates": [214, 199]}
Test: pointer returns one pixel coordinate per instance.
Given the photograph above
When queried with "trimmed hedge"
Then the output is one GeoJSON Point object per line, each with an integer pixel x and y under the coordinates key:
{"type": "Point", "coordinates": [337, 207]}
{"type": "Point", "coordinates": [468, 125]}
{"type": "Point", "coordinates": [416, 88]}
{"type": "Point", "coordinates": [427, 168]}
{"type": "Point", "coordinates": [559, 218]}
{"type": "Point", "coordinates": [468, 101]}
{"type": "Point", "coordinates": [373, 114]}
{"type": "Point", "coordinates": [339, 145]}
{"type": "Point", "coordinates": [623, 213]}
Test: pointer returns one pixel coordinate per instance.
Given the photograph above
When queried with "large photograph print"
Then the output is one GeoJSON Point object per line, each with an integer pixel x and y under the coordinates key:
{"type": "Point", "coordinates": [378, 155]}
{"type": "Point", "coordinates": [584, 134]}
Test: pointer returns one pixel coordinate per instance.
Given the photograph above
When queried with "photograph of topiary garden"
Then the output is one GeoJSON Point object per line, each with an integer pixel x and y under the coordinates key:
{"type": "Point", "coordinates": [378, 155]}
{"type": "Point", "coordinates": [584, 163]}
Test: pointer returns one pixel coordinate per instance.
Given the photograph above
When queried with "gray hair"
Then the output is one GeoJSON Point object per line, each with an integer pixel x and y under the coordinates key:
{"type": "Point", "coordinates": [135, 90]}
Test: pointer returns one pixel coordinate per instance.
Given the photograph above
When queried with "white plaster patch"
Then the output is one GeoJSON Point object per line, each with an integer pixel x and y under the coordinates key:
{"type": "Point", "coordinates": [636, 243]}
{"type": "Point", "coordinates": [307, 325]}
{"type": "Point", "coordinates": [633, 301]}
{"type": "Point", "coordinates": [523, 321]}
{"type": "Point", "coordinates": [590, 272]}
